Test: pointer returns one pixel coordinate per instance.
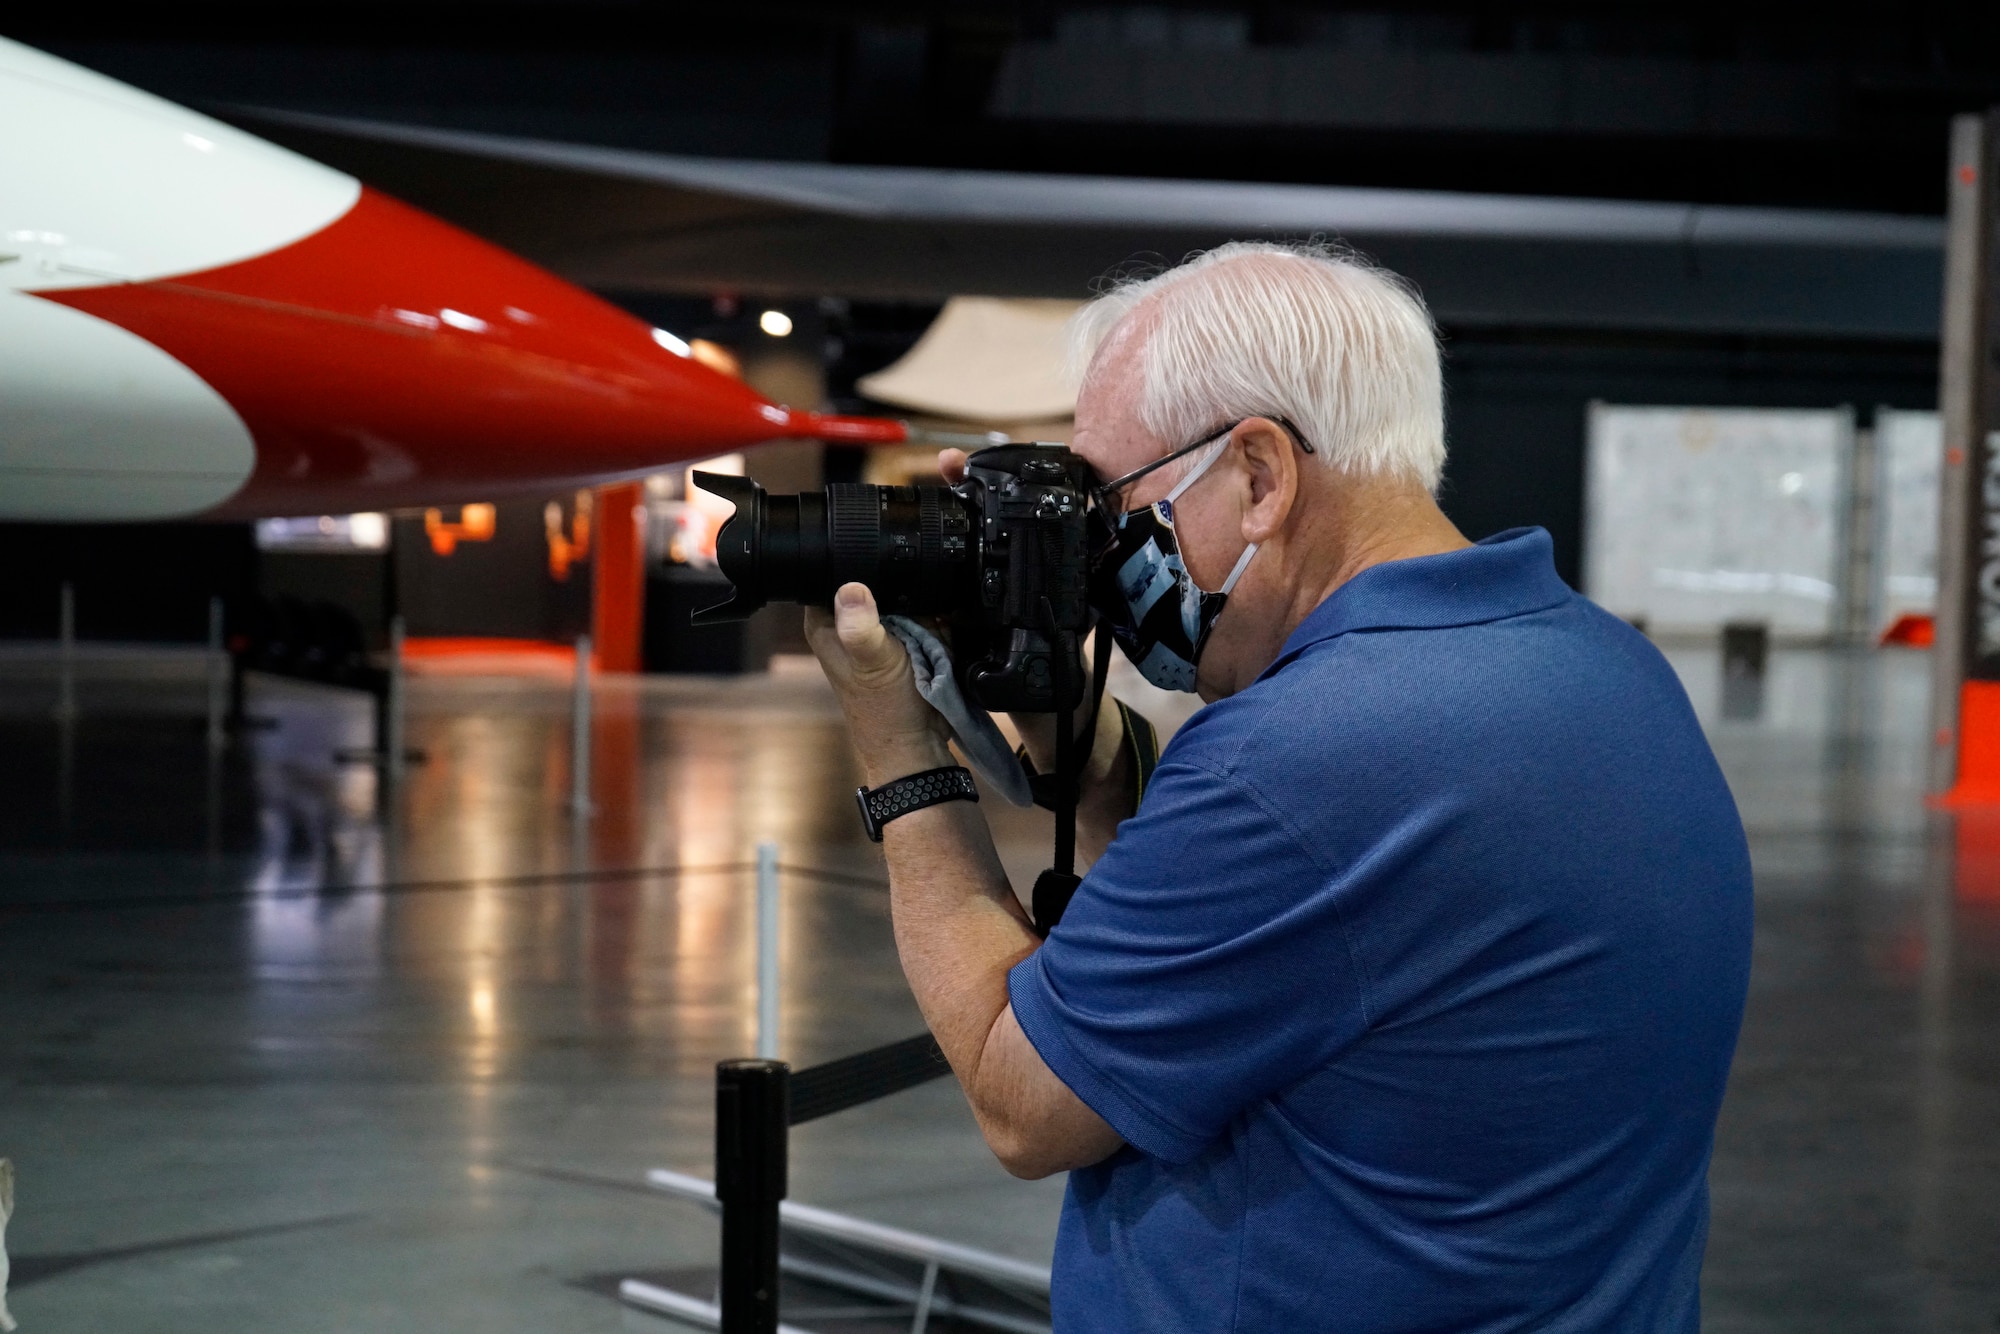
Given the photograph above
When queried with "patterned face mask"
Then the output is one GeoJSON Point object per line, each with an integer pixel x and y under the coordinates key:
{"type": "Point", "coordinates": [1140, 584]}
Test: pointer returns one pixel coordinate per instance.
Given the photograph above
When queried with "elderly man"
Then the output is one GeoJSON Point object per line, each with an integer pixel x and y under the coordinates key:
{"type": "Point", "coordinates": [1405, 998]}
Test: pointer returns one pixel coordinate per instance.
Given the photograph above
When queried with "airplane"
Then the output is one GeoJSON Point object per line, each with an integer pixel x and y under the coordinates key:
{"type": "Point", "coordinates": [197, 323]}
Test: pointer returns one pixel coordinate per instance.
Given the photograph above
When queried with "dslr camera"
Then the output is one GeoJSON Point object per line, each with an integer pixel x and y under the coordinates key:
{"type": "Point", "coordinates": [1003, 557]}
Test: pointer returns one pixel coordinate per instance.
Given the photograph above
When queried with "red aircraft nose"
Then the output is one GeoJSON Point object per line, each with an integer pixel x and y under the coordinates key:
{"type": "Point", "coordinates": [391, 360]}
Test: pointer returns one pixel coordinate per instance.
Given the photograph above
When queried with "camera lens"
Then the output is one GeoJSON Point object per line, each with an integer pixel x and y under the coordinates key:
{"type": "Point", "coordinates": [911, 545]}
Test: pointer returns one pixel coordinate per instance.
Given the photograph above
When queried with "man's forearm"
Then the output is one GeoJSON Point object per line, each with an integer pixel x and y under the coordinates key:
{"type": "Point", "coordinates": [959, 930]}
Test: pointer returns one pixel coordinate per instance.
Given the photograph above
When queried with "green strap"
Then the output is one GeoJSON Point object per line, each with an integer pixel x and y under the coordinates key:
{"type": "Point", "coordinates": [1145, 744]}
{"type": "Point", "coordinates": [1139, 735]}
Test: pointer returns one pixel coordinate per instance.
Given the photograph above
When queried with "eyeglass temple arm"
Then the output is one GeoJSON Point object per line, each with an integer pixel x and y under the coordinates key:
{"type": "Point", "coordinates": [1113, 487]}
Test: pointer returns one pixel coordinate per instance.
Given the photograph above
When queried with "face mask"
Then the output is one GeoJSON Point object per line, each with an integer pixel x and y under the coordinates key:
{"type": "Point", "coordinates": [1144, 593]}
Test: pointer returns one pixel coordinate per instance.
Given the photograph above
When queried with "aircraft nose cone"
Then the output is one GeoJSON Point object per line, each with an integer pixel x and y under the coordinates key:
{"type": "Point", "coordinates": [390, 359]}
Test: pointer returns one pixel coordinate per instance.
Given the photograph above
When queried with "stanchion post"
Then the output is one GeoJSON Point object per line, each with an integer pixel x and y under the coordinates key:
{"type": "Point", "coordinates": [239, 716]}
{"type": "Point", "coordinates": [394, 747]}
{"type": "Point", "coordinates": [579, 731]}
{"type": "Point", "coordinates": [767, 951]}
{"type": "Point", "coordinates": [218, 677]}
{"type": "Point", "coordinates": [752, 1105]}
{"type": "Point", "coordinates": [65, 710]}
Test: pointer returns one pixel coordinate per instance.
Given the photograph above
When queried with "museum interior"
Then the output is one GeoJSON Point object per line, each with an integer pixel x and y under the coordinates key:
{"type": "Point", "coordinates": [391, 849]}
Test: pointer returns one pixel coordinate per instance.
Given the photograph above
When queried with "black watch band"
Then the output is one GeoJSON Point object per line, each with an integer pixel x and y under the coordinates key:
{"type": "Point", "coordinates": [882, 804]}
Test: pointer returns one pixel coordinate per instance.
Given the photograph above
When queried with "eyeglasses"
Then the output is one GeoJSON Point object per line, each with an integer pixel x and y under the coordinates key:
{"type": "Point", "coordinates": [1107, 495]}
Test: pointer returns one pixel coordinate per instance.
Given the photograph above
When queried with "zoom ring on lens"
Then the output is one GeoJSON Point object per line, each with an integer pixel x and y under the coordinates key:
{"type": "Point", "coordinates": [930, 528]}
{"type": "Point", "coordinates": [854, 532]}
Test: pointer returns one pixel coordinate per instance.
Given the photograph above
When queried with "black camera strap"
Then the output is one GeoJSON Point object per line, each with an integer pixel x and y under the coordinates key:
{"type": "Point", "coordinates": [1056, 886]}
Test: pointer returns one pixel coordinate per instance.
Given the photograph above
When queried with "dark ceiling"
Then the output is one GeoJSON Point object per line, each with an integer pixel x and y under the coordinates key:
{"type": "Point", "coordinates": [1828, 105]}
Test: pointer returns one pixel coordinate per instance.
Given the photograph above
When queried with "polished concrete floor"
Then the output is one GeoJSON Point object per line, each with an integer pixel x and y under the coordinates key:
{"type": "Point", "coordinates": [280, 1051]}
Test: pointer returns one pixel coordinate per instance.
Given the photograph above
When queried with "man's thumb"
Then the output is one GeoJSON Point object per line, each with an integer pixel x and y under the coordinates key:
{"type": "Point", "coordinates": [860, 626]}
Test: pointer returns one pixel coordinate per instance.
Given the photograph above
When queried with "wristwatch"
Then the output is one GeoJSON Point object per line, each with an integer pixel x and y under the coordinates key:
{"type": "Point", "coordinates": [882, 804]}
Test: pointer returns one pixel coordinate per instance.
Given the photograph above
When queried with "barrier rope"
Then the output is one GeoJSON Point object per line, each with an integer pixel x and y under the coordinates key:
{"type": "Point", "coordinates": [850, 1081]}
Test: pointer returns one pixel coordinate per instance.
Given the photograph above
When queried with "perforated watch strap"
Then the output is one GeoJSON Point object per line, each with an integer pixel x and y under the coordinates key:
{"type": "Point", "coordinates": [882, 804]}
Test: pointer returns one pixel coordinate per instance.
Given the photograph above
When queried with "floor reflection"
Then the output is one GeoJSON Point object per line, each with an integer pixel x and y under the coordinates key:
{"type": "Point", "coordinates": [245, 989]}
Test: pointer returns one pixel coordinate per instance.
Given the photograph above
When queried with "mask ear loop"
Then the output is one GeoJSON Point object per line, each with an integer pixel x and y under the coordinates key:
{"type": "Point", "coordinates": [1242, 564]}
{"type": "Point", "coordinates": [1236, 572]}
{"type": "Point", "coordinates": [1184, 483]}
{"type": "Point", "coordinates": [1242, 561]}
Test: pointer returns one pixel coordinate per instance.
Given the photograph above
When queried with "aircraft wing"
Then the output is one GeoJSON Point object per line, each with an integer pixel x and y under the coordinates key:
{"type": "Point", "coordinates": [618, 219]}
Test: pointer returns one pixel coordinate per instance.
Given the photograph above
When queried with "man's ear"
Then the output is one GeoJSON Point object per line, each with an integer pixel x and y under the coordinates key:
{"type": "Point", "coordinates": [1271, 467]}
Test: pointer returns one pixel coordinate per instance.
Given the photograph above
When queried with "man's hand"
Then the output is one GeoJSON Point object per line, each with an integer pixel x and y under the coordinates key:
{"type": "Point", "coordinates": [895, 731]}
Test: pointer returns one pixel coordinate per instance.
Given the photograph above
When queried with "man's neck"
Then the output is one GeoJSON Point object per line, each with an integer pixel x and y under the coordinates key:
{"type": "Point", "coordinates": [1363, 526]}
{"type": "Point", "coordinates": [1352, 528]}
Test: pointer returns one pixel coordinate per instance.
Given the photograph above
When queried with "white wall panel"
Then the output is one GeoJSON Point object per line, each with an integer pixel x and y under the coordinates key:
{"type": "Point", "coordinates": [1701, 516]}
{"type": "Point", "coordinates": [1909, 447]}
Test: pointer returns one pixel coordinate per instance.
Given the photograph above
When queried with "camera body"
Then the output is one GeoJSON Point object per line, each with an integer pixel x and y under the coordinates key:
{"type": "Point", "coordinates": [1003, 557]}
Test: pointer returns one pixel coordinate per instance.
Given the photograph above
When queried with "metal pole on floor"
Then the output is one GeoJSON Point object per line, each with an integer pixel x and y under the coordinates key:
{"type": "Point", "coordinates": [218, 677]}
{"type": "Point", "coordinates": [767, 951]}
{"type": "Point", "coordinates": [1966, 418]}
{"type": "Point", "coordinates": [752, 1111]}
{"type": "Point", "coordinates": [217, 665]}
{"type": "Point", "coordinates": [65, 709]}
{"type": "Point", "coordinates": [394, 748]}
{"type": "Point", "coordinates": [579, 731]}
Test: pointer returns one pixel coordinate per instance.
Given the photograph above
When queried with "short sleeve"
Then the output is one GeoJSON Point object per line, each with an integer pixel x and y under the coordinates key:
{"type": "Point", "coordinates": [1203, 965]}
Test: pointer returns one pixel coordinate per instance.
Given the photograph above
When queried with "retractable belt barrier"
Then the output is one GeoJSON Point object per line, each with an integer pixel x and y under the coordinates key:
{"type": "Point", "coordinates": [756, 1104]}
{"type": "Point", "coordinates": [865, 1076]}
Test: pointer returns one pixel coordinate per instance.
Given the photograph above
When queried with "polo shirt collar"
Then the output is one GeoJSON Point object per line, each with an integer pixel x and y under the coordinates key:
{"type": "Point", "coordinates": [1509, 574]}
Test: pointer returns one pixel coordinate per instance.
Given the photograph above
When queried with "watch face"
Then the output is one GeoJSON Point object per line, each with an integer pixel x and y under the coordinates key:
{"type": "Point", "coordinates": [868, 825]}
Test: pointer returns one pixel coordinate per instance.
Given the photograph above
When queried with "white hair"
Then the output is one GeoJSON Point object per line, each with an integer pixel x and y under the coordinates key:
{"type": "Point", "coordinates": [1342, 349]}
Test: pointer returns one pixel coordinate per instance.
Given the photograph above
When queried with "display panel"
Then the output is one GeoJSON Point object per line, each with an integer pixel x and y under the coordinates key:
{"type": "Point", "coordinates": [1909, 446]}
{"type": "Point", "coordinates": [324, 532]}
{"type": "Point", "coordinates": [1697, 517]}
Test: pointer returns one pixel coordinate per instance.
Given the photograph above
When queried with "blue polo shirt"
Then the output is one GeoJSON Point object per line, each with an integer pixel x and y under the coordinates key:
{"type": "Point", "coordinates": [1413, 984]}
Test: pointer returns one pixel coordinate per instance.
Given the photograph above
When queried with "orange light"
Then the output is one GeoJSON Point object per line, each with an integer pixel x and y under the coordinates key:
{"type": "Point", "coordinates": [566, 549]}
{"type": "Point", "coordinates": [1977, 878]}
{"type": "Point", "coordinates": [475, 523]}
{"type": "Point", "coordinates": [1911, 630]}
{"type": "Point", "coordinates": [1978, 782]}
{"type": "Point", "coordinates": [716, 357]}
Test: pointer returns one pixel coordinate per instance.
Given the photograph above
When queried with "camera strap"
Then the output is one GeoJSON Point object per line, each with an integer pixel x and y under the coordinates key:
{"type": "Point", "coordinates": [1056, 886]}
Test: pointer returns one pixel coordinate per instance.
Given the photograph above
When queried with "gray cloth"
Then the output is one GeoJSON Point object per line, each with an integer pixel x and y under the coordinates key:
{"type": "Point", "coordinates": [978, 736]}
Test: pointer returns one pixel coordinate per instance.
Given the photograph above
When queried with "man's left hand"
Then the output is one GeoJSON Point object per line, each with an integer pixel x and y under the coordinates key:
{"type": "Point", "coordinates": [895, 731]}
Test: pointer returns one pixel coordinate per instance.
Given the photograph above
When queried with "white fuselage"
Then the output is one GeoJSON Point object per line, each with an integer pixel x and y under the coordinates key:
{"type": "Point", "coordinates": [101, 183]}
